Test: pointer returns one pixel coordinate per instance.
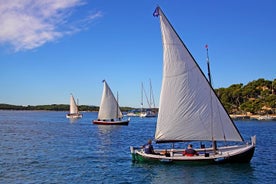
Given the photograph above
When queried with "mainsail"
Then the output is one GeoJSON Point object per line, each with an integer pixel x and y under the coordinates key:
{"type": "Point", "coordinates": [109, 108]}
{"type": "Point", "coordinates": [73, 106]}
{"type": "Point", "coordinates": [189, 108]}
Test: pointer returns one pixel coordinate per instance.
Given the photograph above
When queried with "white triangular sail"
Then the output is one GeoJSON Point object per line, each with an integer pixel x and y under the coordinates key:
{"type": "Point", "coordinates": [73, 106]}
{"type": "Point", "coordinates": [109, 108]}
{"type": "Point", "coordinates": [189, 108]}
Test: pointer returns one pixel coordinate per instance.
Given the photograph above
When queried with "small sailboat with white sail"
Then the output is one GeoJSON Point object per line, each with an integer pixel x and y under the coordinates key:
{"type": "Point", "coordinates": [74, 111]}
{"type": "Point", "coordinates": [109, 112]}
{"type": "Point", "coordinates": [190, 111]}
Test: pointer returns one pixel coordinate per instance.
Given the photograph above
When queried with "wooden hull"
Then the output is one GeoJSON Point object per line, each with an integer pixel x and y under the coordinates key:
{"type": "Point", "coordinates": [230, 154]}
{"type": "Point", "coordinates": [100, 122]}
{"type": "Point", "coordinates": [74, 116]}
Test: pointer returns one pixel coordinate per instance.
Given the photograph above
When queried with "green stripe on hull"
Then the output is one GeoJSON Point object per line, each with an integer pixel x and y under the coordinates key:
{"type": "Point", "coordinates": [140, 159]}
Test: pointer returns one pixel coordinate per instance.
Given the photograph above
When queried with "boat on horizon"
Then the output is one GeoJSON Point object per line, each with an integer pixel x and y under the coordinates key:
{"type": "Point", "coordinates": [109, 112]}
{"type": "Point", "coordinates": [265, 118]}
{"type": "Point", "coordinates": [74, 111]}
{"type": "Point", "coordinates": [190, 111]}
{"type": "Point", "coordinates": [148, 114]}
{"type": "Point", "coordinates": [133, 113]}
{"type": "Point", "coordinates": [151, 111]}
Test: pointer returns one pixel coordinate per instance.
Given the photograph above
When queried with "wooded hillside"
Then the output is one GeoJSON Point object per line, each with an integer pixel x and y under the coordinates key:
{"type": "Point", "coordinates": [256, 97]}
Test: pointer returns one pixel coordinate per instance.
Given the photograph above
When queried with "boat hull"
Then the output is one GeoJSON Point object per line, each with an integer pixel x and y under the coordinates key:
{"type": "Point", "coordinates": [236, 154]}
{"type": "Point", "coordinates": [73, 116]}
{"type": "Point", "coordinates": [100, 122]}
{"type": "Point", "coordinates": [148, 114]}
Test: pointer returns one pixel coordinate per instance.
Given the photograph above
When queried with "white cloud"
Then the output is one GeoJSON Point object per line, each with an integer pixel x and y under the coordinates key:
{"type": "Point", "coordinates": [28, 24]}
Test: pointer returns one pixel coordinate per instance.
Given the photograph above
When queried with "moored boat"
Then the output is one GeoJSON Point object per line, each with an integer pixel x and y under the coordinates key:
{"type": "Point", "coordinates": [148, 114]}
{"type": "Point", "coordinates": [265, 118]}
{"type": "Point", "coordinates": [133, 113]}
{"type": "Point", "coordinates": [151, 111]}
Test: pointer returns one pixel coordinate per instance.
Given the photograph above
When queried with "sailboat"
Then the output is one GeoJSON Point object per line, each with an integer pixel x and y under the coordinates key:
{"type": "Point", "coordinates": [190, 111]}
{"type": "Point", "coordinates": [74, 112]}
{"type": "Point", "coordinates": [151, 111]}
{"type": "Point", "coordinates": [109, 112]}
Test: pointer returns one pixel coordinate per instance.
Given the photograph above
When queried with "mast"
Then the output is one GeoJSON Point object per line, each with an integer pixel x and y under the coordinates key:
{"type": "Point", "coordinates": [149, 103]}
{"type": "Point", "coordinates": [150, 100]}
{"type": "Point", "coordinates": [210, 81]}
{"type": "Point", "coordinates": [208, 65]}
{"type": "Point", "coordinates": [117, 105]}
{"type": "Point", "coordinates": [144, 92]}
{"type": "Point", "coordinates": [141, 97]}
{"type": "Point", "coordinates": [151, 96]}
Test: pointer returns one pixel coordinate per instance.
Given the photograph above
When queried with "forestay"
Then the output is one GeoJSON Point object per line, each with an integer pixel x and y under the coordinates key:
{"type": "Point", "coordinates": [189, 108]}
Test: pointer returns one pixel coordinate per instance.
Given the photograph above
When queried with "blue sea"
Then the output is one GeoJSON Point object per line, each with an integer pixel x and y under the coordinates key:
{"type": "Point", "coordinates": [45, 147]}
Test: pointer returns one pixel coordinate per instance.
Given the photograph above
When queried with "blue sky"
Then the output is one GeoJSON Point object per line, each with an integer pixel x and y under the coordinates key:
{"type": "Point", "coordinates": [51, 48]}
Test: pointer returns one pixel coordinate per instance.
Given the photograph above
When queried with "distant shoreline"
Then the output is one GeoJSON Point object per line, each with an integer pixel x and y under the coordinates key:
{"type": "Point", "coordinates": [41, 110]}
{"type": "Point", "coordinates": [253, 117]}
{"type": "Point", "coordinates": [54, 107]}
{"type": "Point", "coordinates": [269, 117]}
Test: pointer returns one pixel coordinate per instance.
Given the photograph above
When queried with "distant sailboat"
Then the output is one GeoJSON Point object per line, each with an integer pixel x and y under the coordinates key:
{"type": "Point", "coordinates": [74, 112]}
{"type": "Point", "coordinates": [191, 111]}
{"type": "Point", "coordinates": [151, 111]}
{"type": "Point", "coordinates": [109, 112]}
{"type": "Point", "coordinates": [265, 118]}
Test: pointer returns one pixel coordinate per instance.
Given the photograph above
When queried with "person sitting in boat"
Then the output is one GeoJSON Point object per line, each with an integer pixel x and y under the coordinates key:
{"type": "Point", "coordinates": [190, 151]}
{"type": "Point", "coordinates": [148, 148]}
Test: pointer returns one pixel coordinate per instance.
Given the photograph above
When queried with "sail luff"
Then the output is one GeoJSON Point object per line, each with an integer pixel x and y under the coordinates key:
{"type": "Point", "coordinates": [184, 112]}
{"type": "Point", "coordinates": [119, 113]}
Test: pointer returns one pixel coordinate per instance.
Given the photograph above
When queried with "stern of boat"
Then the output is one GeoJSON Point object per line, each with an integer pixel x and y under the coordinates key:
{"type": "Point", "coordinates": [133, 153]}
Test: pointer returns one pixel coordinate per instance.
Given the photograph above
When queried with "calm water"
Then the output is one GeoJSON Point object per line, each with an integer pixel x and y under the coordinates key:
{"type": "Point", "coordinates": [45, 147]}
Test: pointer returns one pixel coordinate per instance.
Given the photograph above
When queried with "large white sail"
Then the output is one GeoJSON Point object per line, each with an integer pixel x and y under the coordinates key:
{"type": "Point", "coordinates": [109, 108]}
{"type": "Point", "coordinates": [189, 108]}
{"type": "Point", "coordinates": [73, 105]}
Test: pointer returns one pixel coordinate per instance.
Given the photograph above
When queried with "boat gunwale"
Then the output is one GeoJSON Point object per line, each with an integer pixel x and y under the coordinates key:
{"type": "Point", "coordinates": [175, 155]}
